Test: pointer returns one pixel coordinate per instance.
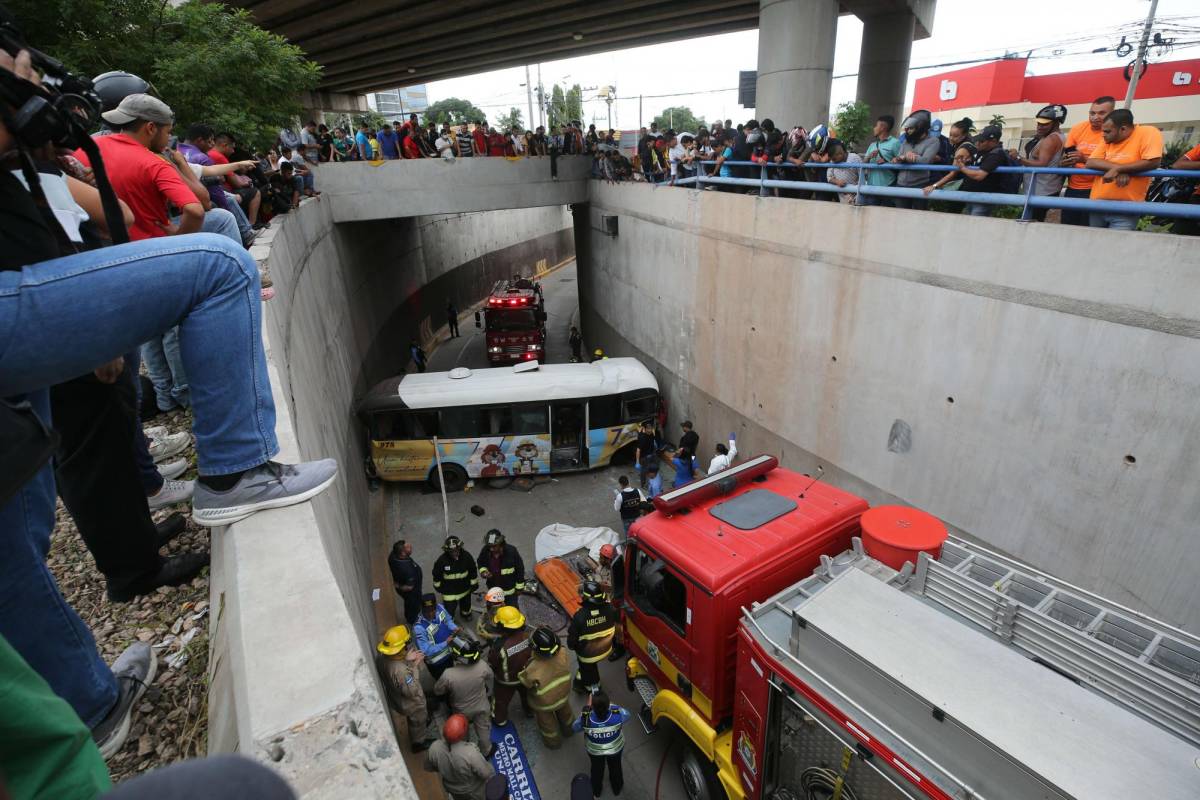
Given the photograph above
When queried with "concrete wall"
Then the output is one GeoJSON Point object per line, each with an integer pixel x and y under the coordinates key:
{"type": "Point", "coordinates": [291, 671]}
{"type": "Point", "coordinates": [1029, 361]}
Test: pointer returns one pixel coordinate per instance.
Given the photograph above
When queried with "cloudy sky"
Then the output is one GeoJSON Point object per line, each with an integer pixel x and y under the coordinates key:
{"type": "Point", "coordinates": [702, 73]}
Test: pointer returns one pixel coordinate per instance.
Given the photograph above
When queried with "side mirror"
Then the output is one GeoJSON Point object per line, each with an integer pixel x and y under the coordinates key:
{"type": "Point", "coordinates": [478, 322]}
{"type": "Point", "coordinates": [541, 316]}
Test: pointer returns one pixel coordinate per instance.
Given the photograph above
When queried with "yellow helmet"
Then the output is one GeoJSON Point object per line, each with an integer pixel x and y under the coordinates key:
{"type": "Point", "coordinates": [395, 639]}
{"type": "Point", "coordinates": [509, 618]}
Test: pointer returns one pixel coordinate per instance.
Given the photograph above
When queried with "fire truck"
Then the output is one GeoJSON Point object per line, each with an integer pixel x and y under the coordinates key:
{"type": "Point", "coordinates": [514, 322]}
{"type": "Point", "coordinates": [804, 645]}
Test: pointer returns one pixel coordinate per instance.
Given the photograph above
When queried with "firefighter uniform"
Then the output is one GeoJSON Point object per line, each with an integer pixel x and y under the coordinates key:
{"type": "Point", "coordinates": [400, 668]}
{"type": "Point", "coordinates": [590, 635]}
{"type": "Point", "coordinates": [509, 655]}
{"type": "Point", "coordinates": [454, 577]}
{"type": "Point", "coordinates": [468, 688]}
{"type": "Point", "coordinates": [547, 677]}
{"type": "Point", "coordinates": [500, 565]}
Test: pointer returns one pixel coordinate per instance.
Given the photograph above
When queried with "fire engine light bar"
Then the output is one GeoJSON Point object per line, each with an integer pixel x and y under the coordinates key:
{"type": "Point", "coordinates": [721, 483]}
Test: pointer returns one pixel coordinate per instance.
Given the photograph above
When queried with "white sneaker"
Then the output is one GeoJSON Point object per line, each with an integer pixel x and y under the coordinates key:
{"type": "Point", "coordinates": [172, 492]}
{"type": "Point", "coordinates": [173, 469]}
{"type": "Point", "coordinates": [155, 432]}
{"type": "Point", "coordinates": [170, 445]}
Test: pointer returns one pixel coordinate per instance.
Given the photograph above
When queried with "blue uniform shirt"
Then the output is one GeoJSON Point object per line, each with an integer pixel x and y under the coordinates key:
{"type": "Point", "coordinates": [433, 635]}
{"type": "Point", "coordinates": [603, 737]}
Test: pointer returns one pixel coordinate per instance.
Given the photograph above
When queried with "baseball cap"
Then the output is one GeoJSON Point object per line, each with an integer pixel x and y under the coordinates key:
{"type": "Point", "coordinates": [140, 106]}
{"type": "Point", "coordinates": [990, 132]}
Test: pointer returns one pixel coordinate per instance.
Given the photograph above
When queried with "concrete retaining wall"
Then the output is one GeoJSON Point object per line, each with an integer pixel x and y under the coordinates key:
{"type": "Point", "coordinates": [292, 678]}
{"type": "Point", "coordinates": [1048, 374]}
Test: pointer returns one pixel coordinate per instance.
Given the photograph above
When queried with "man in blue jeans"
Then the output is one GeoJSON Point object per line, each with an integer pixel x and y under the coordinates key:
{"type": "Point", "coordinates": [62, 316]}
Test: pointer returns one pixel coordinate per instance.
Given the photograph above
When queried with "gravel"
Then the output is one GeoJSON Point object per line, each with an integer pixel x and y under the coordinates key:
{"type": "Point", "coordinates": [171, 722]}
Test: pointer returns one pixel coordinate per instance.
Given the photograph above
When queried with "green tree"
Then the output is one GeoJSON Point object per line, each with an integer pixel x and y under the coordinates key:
{"type": "Point", "coordinates": [375, 121]}
{"type": "Point", "coordinates": [680, 118]}
{"type": "Point", "coordinates": [558, 107]}
{"type": "Point", "coordinates": [510, 120]}
{"type": "Point", "coordinates": [454, 111]}
{"type": "Point", "coordinates": [853, 123]}
{"type": "Point", "coordinates": [574, 103]}
{"type": "Point", "coordinates": [210, 63]}
{"type": "Point", "coordinates": [997, 120]}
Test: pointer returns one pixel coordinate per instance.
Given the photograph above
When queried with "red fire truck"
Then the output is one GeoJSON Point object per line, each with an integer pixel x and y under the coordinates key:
{"type": "Point", "coordinates": [806, 646]}
{"type": "Point", "coordinates": [514, 322]}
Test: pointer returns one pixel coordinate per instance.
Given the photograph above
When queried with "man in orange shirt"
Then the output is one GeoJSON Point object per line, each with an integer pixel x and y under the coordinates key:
{"type": "Point", "coordinates": [1127, 150]}
{"type": "Point", "coordinates": [1189, 160]}
{"type": "Point", "coordinates": [1082, 141]}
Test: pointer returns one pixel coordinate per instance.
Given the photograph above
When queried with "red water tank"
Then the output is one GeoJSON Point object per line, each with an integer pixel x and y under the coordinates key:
{"type": "Point", "coordinates": [895, 534]}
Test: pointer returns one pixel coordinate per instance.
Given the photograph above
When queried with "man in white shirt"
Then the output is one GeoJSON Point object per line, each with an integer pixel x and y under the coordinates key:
{"type": "Point", "coordinates": [725, 455]}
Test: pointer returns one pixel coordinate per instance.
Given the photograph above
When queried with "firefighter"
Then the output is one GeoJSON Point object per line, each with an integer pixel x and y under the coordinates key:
{"type": "Point", "coordinates": [590, 635]}
{"type": "Point", "coordinates": [467, 687]}
{"type": "Point", "coordinates": [401, 670]}
{"type": "Point", "coordinates": [500, 565]}
{"type": "Point", "coordinates": [454, 575]}
{"type": "Point", "coordinates": [508, 657]}
{"type": "Point", "coordinates": [463, 769]}
{"type": "Point", "coordinates": [485, 628]}
{"type": "Point", "coordinates": [601, 723]}
{"type": "Point", "coordinates": [611, 577]}
{"type": "Point", "coordinates": [433, 630]}
{"type": "Point", "coordinates": [547, 677]}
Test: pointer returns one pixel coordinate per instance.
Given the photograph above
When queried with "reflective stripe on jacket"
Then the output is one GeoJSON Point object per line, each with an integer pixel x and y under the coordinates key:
{"type": "Point", "coordinates": [604, 737]}
{"type": "Point", "coordinates": [548, 681]}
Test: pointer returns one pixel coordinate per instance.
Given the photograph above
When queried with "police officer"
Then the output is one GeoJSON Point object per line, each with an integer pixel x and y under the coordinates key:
{"type": "Point", "coordinates": [509, 655]}
{"type": "Point", "coordinates": [463, 769]}
{"type": "Point", "coordinates": [454, 575]}
{"type": "Point", "coordinates": [468, 687]}
{"type": "Point", "coordinates": [400, 668]}
{"type": "Point", "coordinates": [500, 565]}
{"type": "Point", "coordinates": [547, 677]}
{"type": "Point", "coordinates": [485, 629]}
{"type": "Point", "coordinates": [601, 724]}
{"type": "Point", "coordinates": [433, 630]}
{"type": "Point", "coordinates": [590, 635]}
{"type": "Point", "coordinates": [627, 501]}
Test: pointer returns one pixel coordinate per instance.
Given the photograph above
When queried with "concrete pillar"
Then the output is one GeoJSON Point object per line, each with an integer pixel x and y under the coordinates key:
{"type": "Point", "coordinates": [883, 62]}
{"type": "Point", "coordinates": [796, 39]}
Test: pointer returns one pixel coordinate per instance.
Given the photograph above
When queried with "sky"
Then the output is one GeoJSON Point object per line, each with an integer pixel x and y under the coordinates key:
{"type": "Point", "coordinates": [702, 74]}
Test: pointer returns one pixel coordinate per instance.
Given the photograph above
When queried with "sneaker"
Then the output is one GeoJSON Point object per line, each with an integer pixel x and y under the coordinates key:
{"type": "Point", "coordinates": [169, 445]}
{"type": "Point", "coordinates": [169, 528]}
{"type": "Point", "coordinates": [155, 432]}
{"type": "Point", "coordinates": [173, 469]}
{"type": "Point", "coordinates": [134, 670]}
{"type": "Point", "coordinates": [174, 571]}
{"type": "Point", "coordinates": [270, 485]}
{"type": "Point", "coordinates": [172, 492]}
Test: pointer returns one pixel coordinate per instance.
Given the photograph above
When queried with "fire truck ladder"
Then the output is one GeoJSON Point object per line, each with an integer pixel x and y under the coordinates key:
{"type": "Point", "coordinates": [1141, 663]}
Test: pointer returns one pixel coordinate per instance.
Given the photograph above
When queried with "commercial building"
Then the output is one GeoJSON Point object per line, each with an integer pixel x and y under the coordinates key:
{"type": "Point", "coordinates": [1168, 96]}
{"type": "Point", "coordinates": [397, 104]}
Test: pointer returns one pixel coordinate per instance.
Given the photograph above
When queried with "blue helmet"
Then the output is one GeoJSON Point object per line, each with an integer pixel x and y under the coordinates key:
{"type": "Point", "coordinates": [818, 139]}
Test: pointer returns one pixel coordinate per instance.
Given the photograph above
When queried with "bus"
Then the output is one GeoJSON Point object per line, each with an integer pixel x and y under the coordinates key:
{"type": "Point", "coordinates": [530, 419]}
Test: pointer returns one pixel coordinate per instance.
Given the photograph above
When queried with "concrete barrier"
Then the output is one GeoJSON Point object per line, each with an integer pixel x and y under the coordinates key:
{"type": "Point", "coordinates": [1046, 376]}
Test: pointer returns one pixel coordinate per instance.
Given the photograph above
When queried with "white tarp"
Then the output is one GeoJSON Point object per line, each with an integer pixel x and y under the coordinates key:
{"type": "Point", "coordinates": [559, 539]}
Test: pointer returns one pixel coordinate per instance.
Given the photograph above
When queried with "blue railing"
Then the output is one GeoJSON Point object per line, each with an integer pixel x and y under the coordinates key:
{"type": "Point", "coordinates": [1026, 200]}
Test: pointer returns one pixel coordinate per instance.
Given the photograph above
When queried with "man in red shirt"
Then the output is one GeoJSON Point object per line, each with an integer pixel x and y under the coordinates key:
{"type": "Point", "coordinates": [495, 142]}
{"type": "Point", "coordinates": [480, 138]}
{"type": "Point", "coordinates": [139, 175]}
{"type": "Point", "coordinates": [239, 186]}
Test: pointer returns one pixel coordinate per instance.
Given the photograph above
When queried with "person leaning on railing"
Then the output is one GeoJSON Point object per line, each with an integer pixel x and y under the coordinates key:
{"type": "Point", "coordinates": [1127, 149]}
{"type": "Point", "coordinates": [1189, 160]}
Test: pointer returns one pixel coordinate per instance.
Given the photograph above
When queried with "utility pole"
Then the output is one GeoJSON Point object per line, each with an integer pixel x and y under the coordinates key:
{"type": "Point", "coordinates": [1143, 47]}
{"type": "Point", "coordinates": [528, 94]}
{"type": "Point", "coordinates": [541, 98]}
{"type": "Point", "coordinates": [639, 112]}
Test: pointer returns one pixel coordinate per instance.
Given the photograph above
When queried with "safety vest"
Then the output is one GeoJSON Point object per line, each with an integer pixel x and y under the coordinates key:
{"type": "Point", "coordinates": [605, 737]}
{"type": "Point", "coordinates": [631, 503]}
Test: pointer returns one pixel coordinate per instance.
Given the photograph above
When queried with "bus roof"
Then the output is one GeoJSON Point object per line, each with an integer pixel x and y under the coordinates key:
{"type": "Point", "coordinates": [504, 385]}
{"type": "Point", "coordinates": [713, 552]}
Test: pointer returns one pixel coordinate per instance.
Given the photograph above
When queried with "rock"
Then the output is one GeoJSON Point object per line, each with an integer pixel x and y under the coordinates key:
{"type": "Point", "coordinates": [145, 745]}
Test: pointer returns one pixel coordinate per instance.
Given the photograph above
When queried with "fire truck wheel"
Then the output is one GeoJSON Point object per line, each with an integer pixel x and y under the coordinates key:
{"type": "Point", "coordinates": [455, 477]}
{"type": "Point", "coordinates": [699, 777]}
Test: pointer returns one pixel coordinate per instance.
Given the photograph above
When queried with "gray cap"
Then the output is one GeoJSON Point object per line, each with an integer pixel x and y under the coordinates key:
{"type": "Point", "coordinates": [140, 106]}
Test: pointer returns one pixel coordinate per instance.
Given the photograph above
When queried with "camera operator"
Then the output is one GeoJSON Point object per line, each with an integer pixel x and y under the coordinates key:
{"type": "Point", "coordinates": [64, 314]}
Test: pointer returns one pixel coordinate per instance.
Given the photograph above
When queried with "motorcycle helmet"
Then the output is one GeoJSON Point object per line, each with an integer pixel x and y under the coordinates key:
{"type": "Point", "coordinates": [917, 124]}
{"type": "Point", "coordinates": [1052, 113]}
{"type": "Point", "coordinates": [818, 139]}
{"type": "Point", "coordinates": [113, 87]}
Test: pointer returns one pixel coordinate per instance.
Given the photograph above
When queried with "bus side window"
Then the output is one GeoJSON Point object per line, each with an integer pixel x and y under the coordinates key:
{"type": "Point", "coordinates": [419, 425]}
{"type": "Point", "coordinates": [461, 423]}
{"type": "Point", "coordinates": [531, 419]}
{"type": "Point", "coordinates": [497, 421]}
{"type": "Point", "coordinates": [640, 405]}
{"type": "Point", "coordinates": [604, 411]}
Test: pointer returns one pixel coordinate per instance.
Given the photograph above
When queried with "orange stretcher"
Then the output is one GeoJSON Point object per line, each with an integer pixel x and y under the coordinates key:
{"type": "Point", "coordinates": [561, 576]}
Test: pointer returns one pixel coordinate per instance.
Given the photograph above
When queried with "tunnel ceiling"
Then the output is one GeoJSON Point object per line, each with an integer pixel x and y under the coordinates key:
{"type": "Point", "coordinates": [367, 45]}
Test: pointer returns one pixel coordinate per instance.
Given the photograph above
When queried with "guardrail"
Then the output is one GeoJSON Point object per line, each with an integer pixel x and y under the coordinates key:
{"type": "Point", "coordinates": [1026, 200]}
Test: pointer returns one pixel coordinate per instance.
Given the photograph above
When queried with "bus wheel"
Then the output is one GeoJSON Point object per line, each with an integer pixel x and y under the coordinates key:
{"type": "Point", "coordinates": [455, 477]}
{"type": "Point", "coordinates": [699, 777]}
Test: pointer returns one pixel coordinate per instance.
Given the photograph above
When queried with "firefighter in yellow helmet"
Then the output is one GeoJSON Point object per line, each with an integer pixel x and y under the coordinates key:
{"type": "Point", "coordinates": [508, 657]}
{"type": "Point", "coordinates": [485, 629]}
{"type": "Point", "coordinates": [401, 666]}
{"type": "Point", "coordinates": [598, 354]}
{"type": "Point", "coordinates": [590, 635]}
{"type": "Point", "coordinates": [547, 677]}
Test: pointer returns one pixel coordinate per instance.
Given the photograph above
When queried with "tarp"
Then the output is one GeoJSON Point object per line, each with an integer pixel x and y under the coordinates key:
{"type": "Point", "coordinates": [559, 539]}
{"type": "Point", "coordinates": [510, 761]}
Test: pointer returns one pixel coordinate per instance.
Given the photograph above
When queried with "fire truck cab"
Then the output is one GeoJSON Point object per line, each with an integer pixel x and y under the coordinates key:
{"type": "Point", "coordinates": [808, 646]}
{"type": "Point", "coordinates": [514, 322]}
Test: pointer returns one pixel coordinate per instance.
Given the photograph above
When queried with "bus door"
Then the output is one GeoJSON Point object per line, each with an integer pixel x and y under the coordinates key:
{"type": "Point", "coordinates": [568, 435]}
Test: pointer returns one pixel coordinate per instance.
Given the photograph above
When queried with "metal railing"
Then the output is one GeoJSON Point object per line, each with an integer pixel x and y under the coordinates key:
{"type": "Point", "coordinates": [1027, 200]}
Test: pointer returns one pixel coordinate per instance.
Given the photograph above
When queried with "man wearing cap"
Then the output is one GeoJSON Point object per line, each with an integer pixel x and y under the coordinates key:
{"type": "Point", "coordinates": [1044, 150]}
{"type": "Point", "coordinates": [1127, 149]}
{"type": "Point", "coordinates": [400, 668]}
{"type": "Point", "coordinates": [979, 174]}
{"type": "Point", "coordinates": [455, 575]}
{"type": "Point", "coordinates": [433, 630]}
{"type": "Point", "coordinates": [463, 769]}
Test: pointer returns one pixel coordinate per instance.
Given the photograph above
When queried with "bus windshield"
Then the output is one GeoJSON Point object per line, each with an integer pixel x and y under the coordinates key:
{"type": "Point", "coordinates": [512, 319]}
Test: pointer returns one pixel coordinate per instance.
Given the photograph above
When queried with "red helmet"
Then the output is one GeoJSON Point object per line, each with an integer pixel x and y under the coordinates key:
{"type": "Point", "coordinates": [455, 729]}
{"type": "Point", "coordinates": [608, 551]}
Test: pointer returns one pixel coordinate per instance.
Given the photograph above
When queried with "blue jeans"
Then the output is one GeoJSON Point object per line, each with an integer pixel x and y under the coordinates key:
{"type": "Point", "coordinates": [1117, 222]}
{"type": "Point", "coordinates": [62, 318]}
{"type": "Point", "coordinates": [978, 210]}
{"type": "Point", "coordinates": [245, 230]}
{"type": "Point", "coordinates": [164, 368]}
